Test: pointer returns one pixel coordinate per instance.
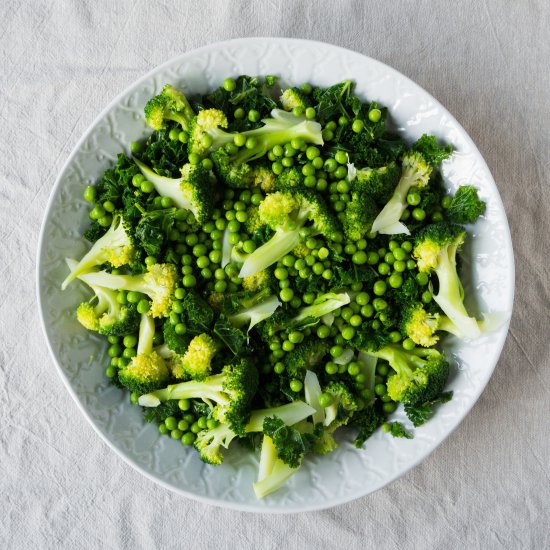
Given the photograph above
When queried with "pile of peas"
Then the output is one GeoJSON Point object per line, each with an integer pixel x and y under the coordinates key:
{"type": "Point", "coordinates": [198, 251]}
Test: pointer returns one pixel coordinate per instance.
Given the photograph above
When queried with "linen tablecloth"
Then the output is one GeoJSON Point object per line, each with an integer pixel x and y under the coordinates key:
{"type": "Point", "coordinates": [61, 62]}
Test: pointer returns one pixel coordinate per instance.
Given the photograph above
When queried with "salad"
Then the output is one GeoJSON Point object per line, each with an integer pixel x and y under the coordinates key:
{"type": "Point", "coordinates": [273, 267]}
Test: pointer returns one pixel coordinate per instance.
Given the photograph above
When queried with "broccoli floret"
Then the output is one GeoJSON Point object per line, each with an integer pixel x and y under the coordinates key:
{"type": "Point", "coordinates": [466, 206]}
{"type": "Point", "coordinates": [305, 356]}
{"type": "Point", "coordinates": [421, 326]}
{"type": "Point", "coordinates": [159, 283]}
{"type": "Point", "coordinates": [104, 314]}
{"type": "Point", "coordinates": [196, 362]}
{"type": "Point", "coordinates": [115, 247]}
{"type": "Point", "coordinates": [420, 374]}
{"type": "Point", "coordinates": [344, 404]}
{"type": "Point", "coordinates": [253, 222]}
{"type": "Point", "coordinates": [168, 105]}
{"type": "Point", "coordinates": [194, 191]}
{"type": "Point", "coordinates": [367, 420]}
{"type": "Point", "coordinates": [286, 213]}
{"type": "Point", "coordinates": [416, 169]}
{"type": "Point", "coordinates": [234, 168]}
{"type": "Point", "coordinates": [254, 309]}
{"type": "Point", "coordinates": [359, 214]}
{"type": "Point", "coordinates": [435, 249]}
{"type": "Point", "coordinates": [178, 343]}
{"type": "Point", "coordinates": [291, 446]}
{"type": "Point", "coordinates": [289, 178]}
{"type": "Point", "coordinates": [209, 443]}
{"type": "Point", "coordinates": [205, 134]}
{"type": "Point", "coordinates": [263, 177]}
{"type": "Point", "coordinates": [232, 391]}
{"type": "Point", "coordinates": [294, 97]}
{"type": "Point", "coordinates": [379, 183]}
{"type": "Point", "coordinates": [147, 370]}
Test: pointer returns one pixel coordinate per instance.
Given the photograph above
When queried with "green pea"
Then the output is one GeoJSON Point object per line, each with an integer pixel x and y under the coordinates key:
{"type": "Point", "coordinates": [399, 266]}
{"type": "Point", "coordinates": [286, 294]}
{"type": "Point", "coordinates": [341, 157]}
{"type": "Point", "coordinates": [446, 202]}
{"type": "Point", "coordinates": [239, 113]}
{"type": "Point", "coordinates": [279, 368]}
{"type": "Point", "coordinates": [253, 115]}
{"type": "Point", "coordinates": [359, 258]}
{"type": "Point", "coordinates": [310, 113]}
{"type": "Point", "coordinates": [348, 333]}
{"type": "Point", "coordinates": [336, 351]}
{"type": "Point", "coordinates": [427, 297]}
{"type": "Point", "coordinates": [323, 332]}
{"type": "Point", "coordinates": [296, 385]}
{"type": "Point", "coordinates": [375, 115]}
{"type": "Point", "coordinates": [395, 280]}
{"type": "Point", "coordinates": [379, 304]}
{"type": "Point", "coordinates": [419, 214]}
{"type": "Point", "coordinates": [379, 288]}
{"type": "Point", "coordinates": [331, 368]}
{"type": "Point", "coordinates": [183, 137]}
{"type": "Point", "coordinates": [384, 268]}
{"type": "Point", "coordinates": [189, 281]}
{"type": "Point", "coordinates": [325, 400]}
{"type": "Point", "coordinates": [229, 84]}
{"type": "Point", "coordinates": [136, 147]}
{"type": "Point", "coordinates": [408, 344]}
{"type": "Point", "coordinates": [90, 193]}
{"type": "Point", "coordinates": [146, 186]}
{"type": "Point", "coordinates": [188, 438]}
{"type": "Point", "coordinates": [413, 198]}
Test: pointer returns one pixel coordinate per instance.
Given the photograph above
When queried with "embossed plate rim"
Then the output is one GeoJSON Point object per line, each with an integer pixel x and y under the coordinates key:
{"type": "Point", "coordinates": [273, 504]}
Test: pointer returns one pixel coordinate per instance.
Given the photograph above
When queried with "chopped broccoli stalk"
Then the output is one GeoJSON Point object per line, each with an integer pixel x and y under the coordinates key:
{"type": "Point", "coordinates": [231, 391]}
{"type": "Point", "coordinates": [255, 309]}
{"type": "Point", "coordinates": [234, 169]}
{"type": "Point", "coordinates": [324, 304]}
{"type": "Point", "coordinates": [194, 191]}
{"type": "Point", "coordinates": [196, 362]}
{"type": "Point", "coordinates": [292, 98]}
{"type": "Point", "coordinates": [435, 249]}
{"type": "Point", "coordinates": [168, 105]}
{"type": "Point", "coordinates": [421, 327]}
{"type": "Point", "coordinates": [290, 414]}
{"type": "Point", "coordinates": [420, 374]}
{"type": "Point", "coordinates": [312, 391]}
{"type": "Point", "coordinates": [159, 283]}
{"type": "Point", "coordinates": [279, 474]}
{"type": "Point", "coordinates": [268, 456]}
{"type": "Point", "coordinates": [115, 247]}
{"type": "Point", "coordinates": [466, 206]}
{"type": "Point", "coordinates": [286, 213]}
{"type": "Point", "coordinates": [146, 371]}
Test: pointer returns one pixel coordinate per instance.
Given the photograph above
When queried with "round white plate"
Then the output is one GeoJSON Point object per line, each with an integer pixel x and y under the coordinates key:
{"type": "Point", "coordinates": [348, 473]}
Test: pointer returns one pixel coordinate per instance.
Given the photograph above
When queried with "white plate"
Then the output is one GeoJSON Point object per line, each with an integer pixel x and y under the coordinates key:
{"type": "Point", "coordinates": [80, 357]}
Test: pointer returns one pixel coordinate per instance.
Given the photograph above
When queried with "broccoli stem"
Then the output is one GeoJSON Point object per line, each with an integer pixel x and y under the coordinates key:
{"type": "Point", "coordinates": [255, 314]}
{"type": "Point", "coordinates": [211, 389]}
{"type": "Point", "coordinates": [282, 243]}
{"type": "Point", "coordinates": [280, 473]}
{"type": "Point", "coordinates": [312, 391]}
{"type": "Point", "coordinates": [146, 335]}
{"type": "Point", "coordinates": [333, 302]}
{"type": "Point", "coordinates": [165, 187]}
{"type": "Point", "coordinates": [450, 296]}
{"type": "Point", "coordinates": [268, 457]}
{"type": "Point", "coordinates": [290, 414]}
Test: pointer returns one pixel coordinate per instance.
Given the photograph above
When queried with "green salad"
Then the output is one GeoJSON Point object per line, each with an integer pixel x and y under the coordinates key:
{"type": "Point", "coordinates": [273, 264]}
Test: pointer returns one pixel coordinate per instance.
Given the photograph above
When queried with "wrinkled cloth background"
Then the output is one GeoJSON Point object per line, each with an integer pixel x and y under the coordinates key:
{"type": "Point", "coordinates": [61, 62]}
